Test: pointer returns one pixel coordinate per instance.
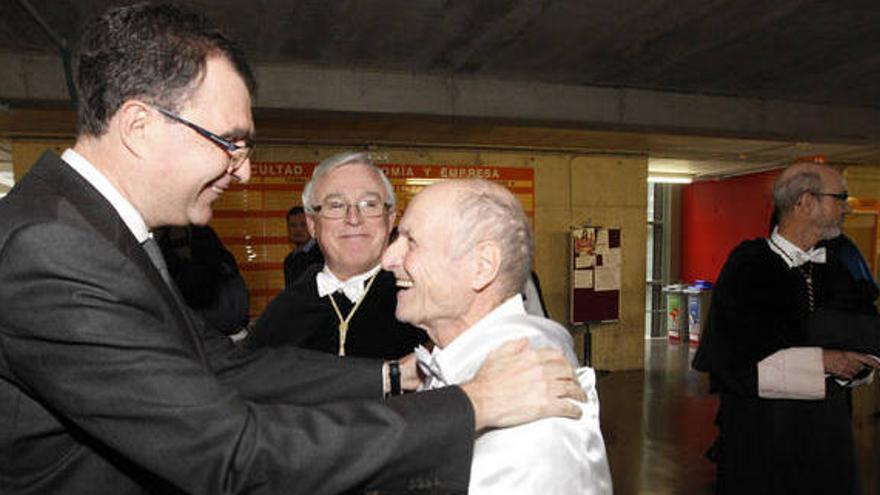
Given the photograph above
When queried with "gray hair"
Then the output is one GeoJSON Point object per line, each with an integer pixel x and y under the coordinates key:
{"type": "Point", "coordinates": [789, 187]}
{"type": "Point", "coordinates": [488, 211]}
{"type": "Point", "coordinates": [339, 160]}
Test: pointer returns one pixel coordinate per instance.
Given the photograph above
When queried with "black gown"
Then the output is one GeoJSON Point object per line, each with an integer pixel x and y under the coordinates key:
{"type": "Point", "coordinates": [760, 306]}
{"type": "Point", "coordinates": [297, 262]}
{"type": "Point", "coordinates": [297, 316]}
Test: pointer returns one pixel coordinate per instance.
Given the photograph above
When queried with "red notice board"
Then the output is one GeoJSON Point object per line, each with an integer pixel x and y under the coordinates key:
{"type": "Point", "coordinates": [595, 274]}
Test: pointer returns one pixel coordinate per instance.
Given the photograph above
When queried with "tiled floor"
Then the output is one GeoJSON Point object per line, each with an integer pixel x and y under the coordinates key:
{"type": "Point", "coordinates": [658, 422]}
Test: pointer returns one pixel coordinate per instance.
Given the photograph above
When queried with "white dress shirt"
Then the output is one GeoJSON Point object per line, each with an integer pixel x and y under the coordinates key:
{"type": "Point", "coordinates": [353, 288]}
{"type": "Point", "coordinates": [548, 456]}
{"type": "Point", "coordinates": [129, 214]}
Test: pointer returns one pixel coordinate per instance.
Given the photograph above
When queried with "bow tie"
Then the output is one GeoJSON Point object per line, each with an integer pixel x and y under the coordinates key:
{"type": "Point", "coordinates": [353, 288]}
{"type": "Point", "coordinates": [815, 255]}
{"type": "Point", "coordinates": [430, 368]}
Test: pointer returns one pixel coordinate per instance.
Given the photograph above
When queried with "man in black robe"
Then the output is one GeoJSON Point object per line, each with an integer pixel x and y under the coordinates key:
{"type": "Point", "coordinates": [346, 305]}
{"type": "Point", "coordinates": [785, 321]}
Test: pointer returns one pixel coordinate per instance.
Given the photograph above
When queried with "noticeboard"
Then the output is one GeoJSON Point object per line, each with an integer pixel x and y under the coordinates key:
{"type": "Point", "coordinates": [595, 274]}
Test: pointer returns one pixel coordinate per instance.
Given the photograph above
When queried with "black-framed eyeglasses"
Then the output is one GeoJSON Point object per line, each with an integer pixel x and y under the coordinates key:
{"type": "Point", "coordinates": [238, 153]}
{"type": "Point", "coordinates": [841, 196]}
{"type": "Point", "coordinates": [334, 208]}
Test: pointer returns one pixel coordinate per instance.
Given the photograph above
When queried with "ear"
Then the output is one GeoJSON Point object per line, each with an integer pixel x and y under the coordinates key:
{"type": "Point", "coordinates": [392, 215]}
{"type": "Point", "coordinates": [310, 223]}
{"type": "Point", "coordinates": [805, 203]}
{"type": "Point", "coordinates": [134, 123]}
{"type": "Point", "coordinates": [487, 264]}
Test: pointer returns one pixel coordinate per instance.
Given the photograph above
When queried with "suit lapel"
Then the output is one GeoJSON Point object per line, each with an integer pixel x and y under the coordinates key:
{"type": "Point", "coordinates": [91, 207]}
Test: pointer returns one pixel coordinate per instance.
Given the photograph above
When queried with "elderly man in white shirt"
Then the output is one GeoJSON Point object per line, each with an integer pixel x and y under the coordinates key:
{"type": "Point", "coordinates": [461, 259]}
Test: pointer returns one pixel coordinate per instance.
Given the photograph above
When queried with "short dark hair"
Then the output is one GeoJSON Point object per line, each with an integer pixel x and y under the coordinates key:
{"type": "Point", "coordinates": [296, 210]}
{"type": "Point", "coordinates": [157, 52]}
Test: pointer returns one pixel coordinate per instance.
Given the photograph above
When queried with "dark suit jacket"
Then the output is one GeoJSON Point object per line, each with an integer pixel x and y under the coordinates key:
{"type": "Point", "coordinates": [108, 385]}
{"type": "Point", "coordinates": [297, 316]}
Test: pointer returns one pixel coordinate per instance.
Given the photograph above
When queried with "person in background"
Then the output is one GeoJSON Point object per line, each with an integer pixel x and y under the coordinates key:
{"type": "Point", "coordinates": [207, 276]}
{"type": "Point", "coordinates": [782, 350]}
{"type": "Point", "coordinates": [108, 385]}
{"type": "Point", "coordinates": [462, 282]}
{"type": "Point", "coordinates": [304, 250]}
{"type": "Point", "coordinates": [345, 306]}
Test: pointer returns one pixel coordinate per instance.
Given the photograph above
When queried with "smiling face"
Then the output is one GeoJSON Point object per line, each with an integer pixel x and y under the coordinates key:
{"type": "Point", "coordinates": [189, 171]}
{"type": "Point", "coordinates": [435, 291]}
{"type": "Point", "coordinates": [353, 244]}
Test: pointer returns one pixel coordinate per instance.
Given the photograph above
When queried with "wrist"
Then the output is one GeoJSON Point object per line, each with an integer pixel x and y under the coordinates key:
{"type": "Point", "coordinates": [470, 389]}
{"type": "Point", "coordinates": [409, 373]}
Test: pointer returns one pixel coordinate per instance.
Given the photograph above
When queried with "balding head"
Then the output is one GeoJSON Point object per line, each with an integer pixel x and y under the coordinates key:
{"type": "Point", "coordinates": [465, 246]}
{"type": "Point", "coordinates": [794, 182]}
{"type": "Point", "coordinates": [486, 211]}
{"type": "Point", "coordinates": [807, 201]}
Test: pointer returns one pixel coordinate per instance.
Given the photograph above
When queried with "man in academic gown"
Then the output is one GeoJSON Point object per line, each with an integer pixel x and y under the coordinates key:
{"type": "Point", "coordinates": [345, 306]}
{"type": "Point", "coordinates": [778, 353]}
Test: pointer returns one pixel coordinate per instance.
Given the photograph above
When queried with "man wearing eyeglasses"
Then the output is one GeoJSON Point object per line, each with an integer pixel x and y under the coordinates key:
{"type": "Point", "coordinates": [110, 385]}
{"type": "Point", "coordinates": [345, 307]}
{"type": "Point", "coordinates": [790, 331]}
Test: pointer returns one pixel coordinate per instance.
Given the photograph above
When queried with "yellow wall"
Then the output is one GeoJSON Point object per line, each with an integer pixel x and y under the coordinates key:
{"type": "Point", "coordinates": [26, 152]}
{"type": "Point", "coordinates": [863, 181]}
{"type": "Point", "coordinates": [570, 189]}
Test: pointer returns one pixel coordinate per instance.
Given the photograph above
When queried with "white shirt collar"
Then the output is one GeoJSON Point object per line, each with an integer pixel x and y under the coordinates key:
{"type": "Point", "coordinates": [129, 214]}
{"type": "Point", "coordinates": [451, 363]}
{"type": "Point", "coordinates": [353, 288]}
{"type": "Point", "coordinates": [793, 255]}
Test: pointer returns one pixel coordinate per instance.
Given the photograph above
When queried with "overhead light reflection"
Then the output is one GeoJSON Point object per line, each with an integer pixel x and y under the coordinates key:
{"type": "Point", "coordinates": [670, 179]}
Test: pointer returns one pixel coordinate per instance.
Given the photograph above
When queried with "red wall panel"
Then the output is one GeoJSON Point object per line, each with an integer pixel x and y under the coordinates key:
{"type": "Point", "coordinates": [718, 215]}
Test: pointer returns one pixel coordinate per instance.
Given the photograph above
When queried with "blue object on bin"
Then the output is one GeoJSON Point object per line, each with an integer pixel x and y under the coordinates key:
{"type": "Point", "coordinates": [698, 296]}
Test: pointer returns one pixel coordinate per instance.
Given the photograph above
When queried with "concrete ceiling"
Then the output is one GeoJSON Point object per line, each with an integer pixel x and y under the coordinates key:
{"type": "Point", "coordinates": [810, 52]}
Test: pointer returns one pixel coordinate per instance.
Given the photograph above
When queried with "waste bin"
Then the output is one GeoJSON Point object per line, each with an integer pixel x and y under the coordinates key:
{"type": "Point", "coordinates": [676, 313]}
{"type": "Point", "coordinates": [698, 296]}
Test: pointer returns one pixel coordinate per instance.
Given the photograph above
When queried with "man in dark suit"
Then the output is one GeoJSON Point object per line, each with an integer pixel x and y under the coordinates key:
{"type": "Point", "coordinates": [304, 250]}
{"type": "Point", "coordinates": [107, 382]}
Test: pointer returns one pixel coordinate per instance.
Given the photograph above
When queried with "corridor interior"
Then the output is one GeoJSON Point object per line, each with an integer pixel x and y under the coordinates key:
{"type": "Point", "coordinates": [658, 422]}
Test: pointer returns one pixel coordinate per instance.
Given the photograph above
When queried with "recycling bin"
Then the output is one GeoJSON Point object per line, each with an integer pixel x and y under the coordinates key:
{"type": "Point", "coordinates": [676, 313]}
{"type": "Point", "coordinates": [698, 297]}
